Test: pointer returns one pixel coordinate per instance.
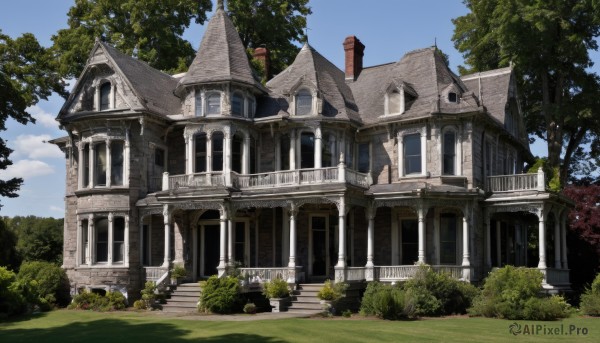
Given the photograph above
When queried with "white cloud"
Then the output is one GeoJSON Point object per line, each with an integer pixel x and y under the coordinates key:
{"type": "Point", "coordinates": [26, 169]}
{"type": "Point", "coordinates": [35, 146]}
{"type": "Point", "coordinates": [42, 117]}
{"type": "Point", "coordinates": [57, 209]}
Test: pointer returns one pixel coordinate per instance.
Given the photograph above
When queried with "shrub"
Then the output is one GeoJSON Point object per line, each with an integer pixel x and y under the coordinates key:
{"type": "Point", "coordinates": [178, 272]}
{"type": "Point", "coordinates": [386, 301]}
{"type": "Point", "coordinates": [331, 291]}
{"type": "Point", "coordinates": [93, 301]}
{"type": "Point", "coordinates": [139, 305]}
{"type": "Point", "coordinates": [44, 284]}
{"type": "Point", "coordinates": [220, 295]}
{"type": "Point", "coordinates": [508, 293]}
{"type": "Point", "coordinates": [11, 300]}
{"type": "Point", "coordinates": [250, 308]}
{"type": "Point", "coordinates": [149, 294]}
{"type": "Point", "coordinates": [347, 314]}
{"type": "Point", "coordinates": [590, 299]}
{"type": "Point", "coordinates": [276, 288]}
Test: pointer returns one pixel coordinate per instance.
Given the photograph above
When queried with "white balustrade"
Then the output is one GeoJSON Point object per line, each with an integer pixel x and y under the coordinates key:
{"type": "Point", "coordinates": [154, 273]}
{"type": "Point", "coordinates": [511, 183]}
{"type": "Point", "coordinates": [355, 273]}
{"type": "Point", "coordinates": [556, 277]}
{"type": "Point", "coordinates": [260, 275]}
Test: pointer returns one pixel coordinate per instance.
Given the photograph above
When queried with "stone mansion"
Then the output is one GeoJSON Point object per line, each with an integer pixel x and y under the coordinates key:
{"type": "Point", "coordinates": [352, 175]}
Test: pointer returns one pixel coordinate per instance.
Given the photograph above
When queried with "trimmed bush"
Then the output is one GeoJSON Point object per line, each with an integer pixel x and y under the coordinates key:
{"type": "Point", "coordinates": [386, 301]}
{"type": "Point", "coordinates": [113, 301]}
{"type": "Point", "coordinates": [590, 299]}
{"type": "Point", "coordinates": [276, 288]}
{"type": "Point", "coordinates": [149, 294]}
{"type": "Point", "coordinates": [332, 291]}
{"type": "Point", "coordinates": [514, 293]}
{"type": "Point", "coordinates": [250, 308]}
{"type": "Point", "coordinates": [11, 300]}
{"type": "Point", "coordinates": [140, 305]}
{"type": "Point", "coordinates": [220, 295]}
{"type": "Point", "coordinates": [44, 284]}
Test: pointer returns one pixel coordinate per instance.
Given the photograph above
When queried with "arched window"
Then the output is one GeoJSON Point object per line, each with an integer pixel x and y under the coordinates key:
{"type": "Point", "coordinates": [412, 154]}
{"type": "Point", "coordinates": [394, 102]}
{"type": "Point", "coordinates": [237, 104]}
{"type": "Point", "coordinates": [452, 97]}
{"type": "Point", "coordinates": [449, 153]}
{"type": "Point", "coordinates": [303, 102]}
{"type": "Point", "coordinates": [213, 103]}
{"type": "Point", "coordinates": [200, 158]}
{"type": "Point", "coordinates": [307, 150]}
{"type": "Point", "coordinates": [198, 109]}
{"type": "Point", "coordinates": [217, 151]}
{"type": "Point", "coordinates": [105, 96]}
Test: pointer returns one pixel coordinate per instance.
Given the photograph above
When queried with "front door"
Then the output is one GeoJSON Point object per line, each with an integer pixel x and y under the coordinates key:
{"type": "Point", "coordinates": [209, 242]}
{"type": "Point", "coordinates": [319, 254]}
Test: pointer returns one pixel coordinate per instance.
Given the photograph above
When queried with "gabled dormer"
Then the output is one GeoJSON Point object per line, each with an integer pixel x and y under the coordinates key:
{"type": "Point", "coordinates": [398, 97]}
{"type": "Point", "coordinates": [304, 99]}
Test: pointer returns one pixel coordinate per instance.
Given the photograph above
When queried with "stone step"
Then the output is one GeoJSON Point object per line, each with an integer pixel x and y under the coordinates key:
{"type": "Point", "coordinates": [180, 299]}
{"type": "Point", "coordinates": [305, 305]}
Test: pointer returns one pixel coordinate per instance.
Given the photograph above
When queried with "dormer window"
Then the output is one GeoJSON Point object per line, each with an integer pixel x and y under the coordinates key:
{"type": "Point", "coordinates": [303, 102]}
{"type": "Point", "coordinates": [452, 97]}
{"type": "Point", "coordinates": [394, 102]}
{"type": "Point", "coordinates": [237, 104]}
{"type": "Point", "coordinates": [105, 96]}
{"type": "Point", "coordinates": [213, 103]}
{"type": "Point", "coordinates": [398, 98]}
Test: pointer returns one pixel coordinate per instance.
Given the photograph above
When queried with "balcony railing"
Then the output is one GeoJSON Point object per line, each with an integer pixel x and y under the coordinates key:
{"type": "Point", "coordinates": [517, 182]}
{"type": "Point", "coordinates": [196, 180]}
{"type": "Point", "coordinates": [401, 273]}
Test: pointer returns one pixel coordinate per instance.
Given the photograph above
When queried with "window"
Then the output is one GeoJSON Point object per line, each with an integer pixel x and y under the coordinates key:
{"type": "Point", "coordinates": [328, 148]}
{"type": "Point", "coordinates": [251, 107]}
{"type": "Point", "coordinates": [237, 105]}
{"type": "Point", "coordinates": [100, 164]}
{"type": "Point", "coordinates": [364, 162]}
{"type": "Point", "coordinates": [284, 152]}
{"type": "Point", "coordinates": [447, 238]}
{"type": "Point", "coordinates": [303, 102]}
{"type": "Point", "coordinates": [116, 163]}
{"type": "Point", "coordinates": [105, 96]}
{"type": "Point", "coordinates": [84, 241]}
{"type": "Point", "coordinates": [118, 240]}
{"type": "Point", "coordinates": [350, 154]}
{"type": "Point", "coordinates": [101, 227]}
{"type": "Point", "coordinates": [198, 109]}
{"type": "Point", "coordinates": [200, 166]}
{"type": "Point", "coordinates": [410, 241]}
{"type": "Point", "coordinates": [412, 154]}
{"type": "Point", "coordinates": [394, 102]}
{"type": "Point", "coordinates": [86, 166]}
{"type": "Point", "coordinates": [452, 97]}
{"type": "Point", "coordinates": [159, 157]}
{"type": "Point", "coordinates": [236, 153]}
{"type": "Point", "coordinates": [213, 103]}
{"type": "Point", "coordinates": [307, 150]}
{"type": "Point", "coordinates": [449, 153]}
{"type": "Point", "coordinates": [217, 151]}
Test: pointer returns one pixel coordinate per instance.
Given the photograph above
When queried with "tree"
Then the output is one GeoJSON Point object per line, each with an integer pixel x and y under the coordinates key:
{"type": "Point", "coordinates": [27, 74]}
{"type": "Point", "coordinates": [150, 30]}
{"type": "Point", "coordinates": [275, 24]}
{"type": "Point", "coordinates": [549, 44]}
{"type": "Point", "coordinates": [8, 252]}
{"type": "Point", "coordinates": [39, 239]}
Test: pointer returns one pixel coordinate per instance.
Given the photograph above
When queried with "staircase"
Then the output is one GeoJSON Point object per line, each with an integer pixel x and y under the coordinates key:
{"type": "Point", "coordinates": [184, 299]}
{"type": "Point", "coordinates": [304, 299]}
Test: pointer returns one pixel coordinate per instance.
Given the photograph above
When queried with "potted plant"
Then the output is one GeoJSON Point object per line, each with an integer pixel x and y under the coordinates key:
{"type": "Point", "coordinates": [177, 273]}
{"type": "Point", "coordinates": [330, 293]}
{"type": "Point", "coordinates": [278, 292]}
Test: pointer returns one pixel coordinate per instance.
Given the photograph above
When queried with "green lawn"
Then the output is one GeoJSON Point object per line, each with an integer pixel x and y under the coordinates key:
{"type": "Point", "coordinates": [83, 326]}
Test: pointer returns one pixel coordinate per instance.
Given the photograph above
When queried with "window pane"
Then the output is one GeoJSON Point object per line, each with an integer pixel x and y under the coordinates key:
{"type": "Point", "coordinates": [105, 96]}
{"type": "Point", "coordinates": [449, 152]}
{"type": "Point", "coordinates": [452, 97]}
{"type": "Point", "coordinates": [118, 239]}
{"type": "Point", "coordinates": [100, 164]}
{"type": "Point", "coordinates": [237, 105]}
{"type": "Point", "coordinates": [200, 153]}
{"type": "Point", "coordinates": [213, 105]}
{"type": "Point", "coordinates": [410, 241]}
{"type": "Point", "coordinates": [303, 102]}
{"type": "Point", "coordinates": [307, 150]}
{"type": "Point", "coordinates": [363, 158]}
{"type": "Point", "coordinates": [116, 161]}
{"type": "Point", "coordinates": [217, 151]}
{"type": "Point", "coordinates": [86, 166]}
{"type": "Point", "coordinates": [394, 102]}
{"type": "Point", "coordinates": [159, 157]}
{"type": "Point", "coordinates": [84, 241]}
{"type": "Point", "coordinates": [328, 150]}
{"type": "Point", "coordinates": [251, 108]}
{"type": "Point", "coordinates": [101, 226]}
{"type": "Point", "coordinates": [284, 147]}
{"type": "Point", "coordinates": [198, 110]}
{"type": "Point", "coordinates": [236, 154]}
{"type": "Point", "coordinates": [412, 154]}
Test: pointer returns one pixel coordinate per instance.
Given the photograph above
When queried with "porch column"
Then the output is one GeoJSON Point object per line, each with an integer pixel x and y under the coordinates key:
{"type": "Point", "coordinates": [91, 240]}
{"type": "Point", "coordinates": [542, 239]}
{"type": "Point", "coordinates": [557, 252]}
{"type": "Point", "coordinates": [293, 212]}
{"type": "Point", "coordinates": [466, 263]}
{"type": "Point", "coordinates": [292, 150]}
{"type": "Point", "coordinates": [488, 241]}
{"type": "Point", "coordinates": [126, 242]}
{"type": "Point", "coordinates": [341, 263]}
{"type": "Point", "coordinates": [230, 257]}
{"type": "Point", "coordinates": [209, 152]}
{"type": "Point", "coordinates": [370, 243]}
{"type": "Point", "coordinates": [222, 241]}
{"type": "Point", "coordinates": [498, 243]}
{"type": "Point", "coordinates": [167, 216]}
{"type": "Point", "coordinates": [178, 240]}
{"type": "Point", "coordinates": [563, 250]}
{"type": "Point", "coordinates": [421, 235]}
{"type": "Point", "coordinates": [246, 155]}
{"type": "Point", "coordinates": [318, 143]}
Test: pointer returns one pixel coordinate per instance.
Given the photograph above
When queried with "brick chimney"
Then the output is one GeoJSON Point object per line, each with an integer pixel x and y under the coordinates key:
{"type": "Point", "coordinates": [354, 57]}
{"type": "Point", "coordinates": [264, 57]}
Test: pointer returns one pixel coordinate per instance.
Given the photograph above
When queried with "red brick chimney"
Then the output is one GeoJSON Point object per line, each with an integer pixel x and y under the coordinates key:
{"type": "Point", "coordinates": [263, 55]}
{"type": "Point", "coordinates": [354, 57]}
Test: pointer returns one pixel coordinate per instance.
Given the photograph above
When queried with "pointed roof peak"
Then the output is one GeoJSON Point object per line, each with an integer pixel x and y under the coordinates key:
{"type": "Point", "coordinates": [220, 5]}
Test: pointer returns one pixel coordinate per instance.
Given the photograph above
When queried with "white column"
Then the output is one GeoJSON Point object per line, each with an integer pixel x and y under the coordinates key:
{"type": "Point", "coordinates": [230, 257]}
{"type": "Point", "coordinates": [370, 235]}
{"type": "Point", "coordinates": [557, 254]}
{"type": "Point", "coordinates": [318, 148]}
{"type": "Point", "coordinates": [563, 239]}
{"type": "Point", "coordinates": [80, 166]}
{"type": "Point", "coordinates": [341, 263]}
{"type": "Point", "coordinates": [80, 243]}
{"type": "Point", "coordinates": [278, 161]}
{"type": "Point", "coordinates": [223, 242]}
{"type": "Point", "coordinates": [92, 156]}
{"type": "Point", "coordinates": [466, 257]}
{"type": "Point", "coordinates": [498, 243]}
{"type": "Point", "coordinates": [209, 152]}
{"type": "Point", "coordinates": [542, 240]}
{"type": "Point", "coordinates": [421, 235]}
{"type": "Point", "coordinates": [227, 159]}
{"type": "Point", "coordinates": [423, 153]}
{"type": "Point", "coordinates": [293, 213]}
{"type": "Point", "coordinates": [167, 222]}
{"type": "Point", "coordinates": [292, 150]}
{"type": "Point", "coordinates": [126, 161]}
{"type": "Point", "coordinates": [91, 240]}
{"type": "Point", "coordinates": [246, 155]}
{"type": "Point", "coordinates": [488, 241]}
{"type": "Point", "coordinates": [126, 243]}
{"type": "Point", "coordinates": [178, 243]}
{"type": "Point", "coordinates": [108, 164]}
{"type": "Point", "coordinates": [111, 226]}
{"type": "Point", "coordinates": [189, 154]}
{"type": "Point", "coordinates": [400, 156]}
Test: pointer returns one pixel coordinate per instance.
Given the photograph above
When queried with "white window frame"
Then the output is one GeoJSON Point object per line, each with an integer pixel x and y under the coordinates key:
{"type": "Point", "coordinates": [296, 101]}
{"type": "Point", "coordinates": [91, 144]}
{"type": "Point", "coordinates": [206, 108]}
{"type": "Point", "coordinates": [423, 143]}
{"type": "Point", "coordinates": [89, 250]}
{"type": "Point", "coordinates": [457, 151]}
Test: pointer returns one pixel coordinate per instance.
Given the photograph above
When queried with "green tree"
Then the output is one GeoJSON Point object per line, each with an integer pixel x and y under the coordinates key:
{"type": "Point", "coordinates": [27, 74]}
{"type": "Point", "coordinates": [8, 253]}
{"type": "Point", "coordinates": [150, 30]}
{"type": "Point", "coordinates": [39, 239]}
{"type": "Point", "coordinates": [275, 24]}
{"type": "Point", "coordinates": [549, 44]}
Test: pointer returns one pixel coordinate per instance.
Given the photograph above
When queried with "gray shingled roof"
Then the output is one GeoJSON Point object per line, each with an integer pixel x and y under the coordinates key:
{"type": "Point", "coordinates": [221, 56]}
{"type": "Point", "coordinates": [494, 90]}
{"type": "Point", "coordinates": [311, 67]}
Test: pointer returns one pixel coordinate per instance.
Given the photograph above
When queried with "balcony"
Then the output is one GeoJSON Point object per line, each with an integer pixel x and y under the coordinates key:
{"type": "Point", "coordinates": [516, 182]}
{"type": "Point", "coordinates": [299, 177]}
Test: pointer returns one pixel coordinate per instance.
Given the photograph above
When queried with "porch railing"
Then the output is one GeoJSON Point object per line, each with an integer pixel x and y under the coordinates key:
{"type": "Point", "coordinates": [358, 179]}
{"type": "Point", "coordinates": [196, 180]}
{"type": "Point", "coordinates": [401, 273]}
{"type": "Point", "coordinates": [355, 273]}
{"type": "Point", "coordinates": [300, 177]}
{"type": "Point", "coordinates": [455, 272]}
{"type": "Point", "coordinates": [517, 182]}
{"type": "Point", "coordinates": [154, 273]}
{"type": "Point", "coordinates": [260, 275]}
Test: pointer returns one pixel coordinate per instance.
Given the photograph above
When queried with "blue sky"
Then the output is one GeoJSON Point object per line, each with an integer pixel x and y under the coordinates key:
{"type": "Point", "coordinates": [388, 29]}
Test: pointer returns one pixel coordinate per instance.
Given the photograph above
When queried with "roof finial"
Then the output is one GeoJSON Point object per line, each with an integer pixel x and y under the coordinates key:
{"type": "Point", "coordinates": [220, 5]}
{"type": "Point", "coordinates": [306, 35]}
{"type": "Point", "coordinates": [435, 42]}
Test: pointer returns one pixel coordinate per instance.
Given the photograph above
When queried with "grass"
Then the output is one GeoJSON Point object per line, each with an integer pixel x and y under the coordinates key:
{"type": "Point", "coordinates": [77, 326]}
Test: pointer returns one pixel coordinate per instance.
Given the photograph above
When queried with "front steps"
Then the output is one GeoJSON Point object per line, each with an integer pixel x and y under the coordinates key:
{"type": "Point", "coordinates": [304, 299]}
{"type": "Point", "coordinates": [184, 299]}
